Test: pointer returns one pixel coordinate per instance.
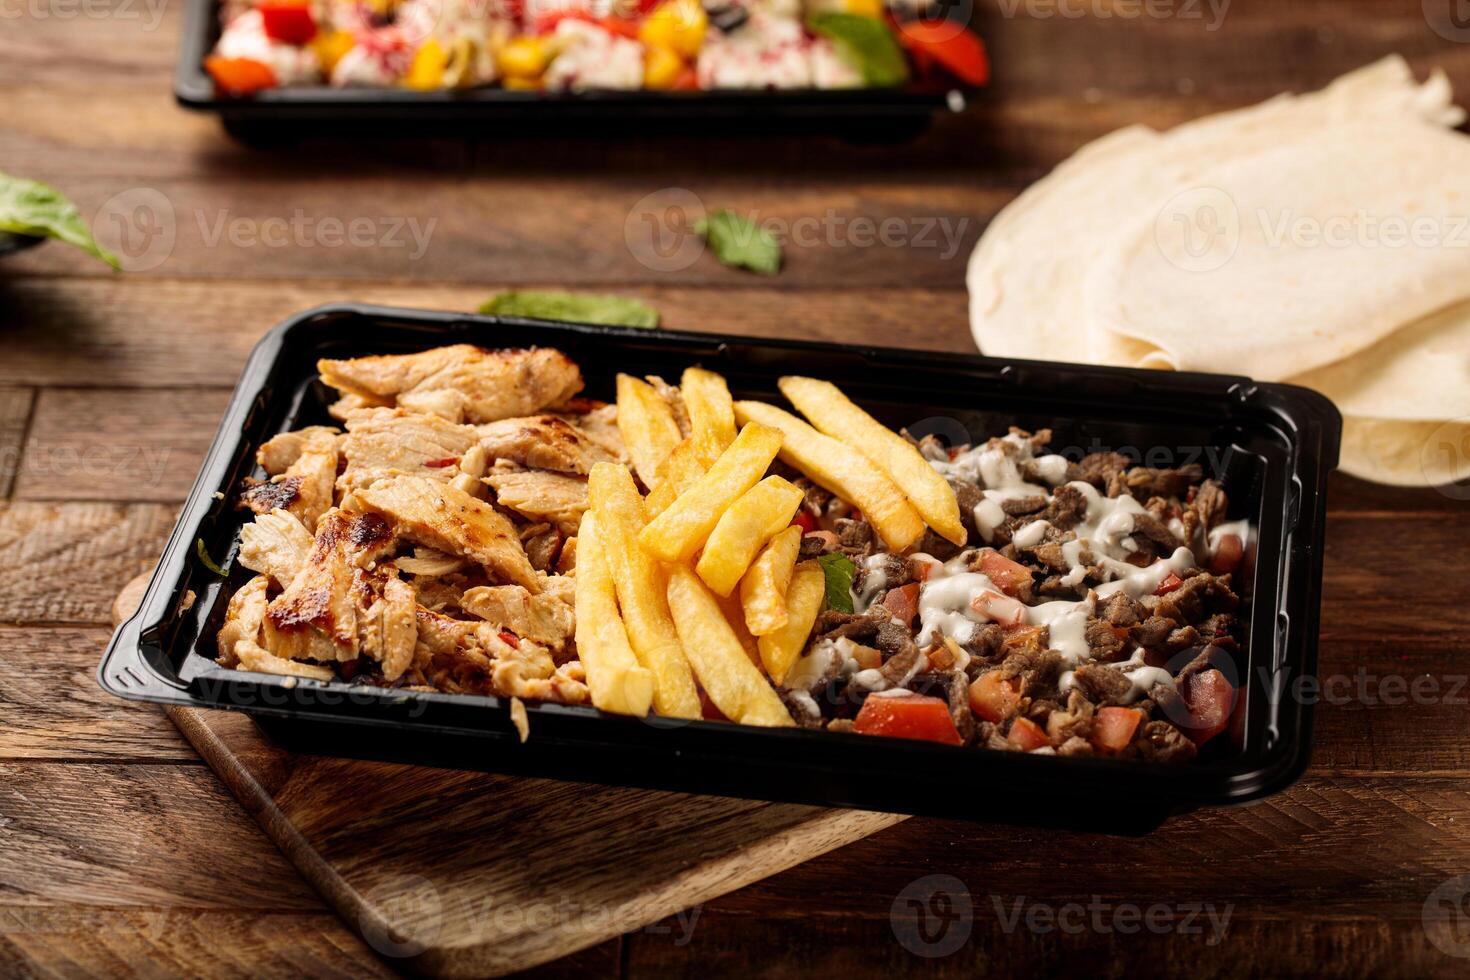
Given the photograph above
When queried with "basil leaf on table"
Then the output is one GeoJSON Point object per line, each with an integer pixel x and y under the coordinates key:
{"type": "Point", "coordinates": [740, 243]}
{"type": "Point", "coordinates": [866, 44]}
{"type": "Point", "coordinates": [839, 570]}
{"type": "Point", "coordinates": [28, 207]}
{"type": "Point", "coordinates": [609, 311]}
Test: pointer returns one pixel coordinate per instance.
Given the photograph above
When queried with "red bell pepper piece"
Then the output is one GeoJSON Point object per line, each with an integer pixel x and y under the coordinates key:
{"type": "Point", "coordinates": [289, 23]}
{"type": "Point", "coordinates": [1169, 584]}
{"type": "Point", "coordinates": [916, 716]}
{"type": "Point", "coordinates": [239, 76]}
{"type": "Point", "coordinates": [994, 698]}
{"type": "Point", "coordinates": [1011, 576]}
{"type": "Point", "coordinates": [952, 46]}
{"type": "Point", "coordinates": [805, 521]}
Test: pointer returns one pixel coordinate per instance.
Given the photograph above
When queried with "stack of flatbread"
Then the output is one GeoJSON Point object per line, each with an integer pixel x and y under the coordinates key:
{"type": "Point", "coordinates": [1319, 239]}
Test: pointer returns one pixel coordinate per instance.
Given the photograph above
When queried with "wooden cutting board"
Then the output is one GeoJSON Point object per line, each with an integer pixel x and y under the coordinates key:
{"type": "Point", "coordinates": [468, 874]}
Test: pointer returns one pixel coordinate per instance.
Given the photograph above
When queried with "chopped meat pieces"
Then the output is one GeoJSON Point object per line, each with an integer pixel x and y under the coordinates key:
{"type": "Point", "coordinates": [541, 496]}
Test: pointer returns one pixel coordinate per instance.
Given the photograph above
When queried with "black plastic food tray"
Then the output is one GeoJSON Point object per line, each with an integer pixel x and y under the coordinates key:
{"type": "Point", "coordinates": [292, 112]}
{"type": "Point", "coordinates": [1273, 445]}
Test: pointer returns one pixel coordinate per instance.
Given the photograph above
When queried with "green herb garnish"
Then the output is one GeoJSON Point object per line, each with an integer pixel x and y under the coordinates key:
{"type": "Point", "coordinates": [611, 311]}
{"type": "Point", "coordinates": [866, 44]}
{"type": "Point", "coordinates": [28, 207]}
{"type": "Point", "coordinates": [740, 243]}
{"type": "Point", "coordinates": [208, 561]}
{"type": "Point", "coordinates": [839, 570]}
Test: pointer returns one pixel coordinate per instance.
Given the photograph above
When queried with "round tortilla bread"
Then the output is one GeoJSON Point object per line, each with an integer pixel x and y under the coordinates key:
{"type": "Point", "coordinates": [1290, 258]}
{"type": "Point", "coordinates": [1407, 454]}
{"type": "Point", "coordinates": [1025, 276]}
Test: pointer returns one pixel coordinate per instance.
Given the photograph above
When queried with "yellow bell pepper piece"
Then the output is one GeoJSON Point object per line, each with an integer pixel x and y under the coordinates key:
{"type": "Point", "coordinates": [521, 84]}
{"type": "Point", "coordinates": [330, 46]}
{"type": "Point", "coordinates": [426, 73]}
{"type": "Point", "coordinates": [679, 25]}
{"type": "Point", "coordinates": [524, 58]}
{"type": "Point", "coordinates": [661, 67]}
{"type": "Point", "coordinates": [864, 8]}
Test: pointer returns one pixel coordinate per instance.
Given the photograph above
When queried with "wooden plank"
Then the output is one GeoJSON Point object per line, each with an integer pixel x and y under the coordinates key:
{"type": "Point", "coordinates": [55, 710]}
{"type": "Point", "coordinates": [416, 853]}
{"type": "Point", "coordinates": [64, 562]}
{"type": "Point", "coordinates": [135, 835]}
{"type": "Point", "coordinates": [842, 945]}
{"type": "Point", "coordinates": [15, 411]}
{"type": "Point", "coordinates": [90, 444]}
{"type": "Point", "coordinates": [200, 332]}
{"type": "Point", "coordinates": [85, 942]}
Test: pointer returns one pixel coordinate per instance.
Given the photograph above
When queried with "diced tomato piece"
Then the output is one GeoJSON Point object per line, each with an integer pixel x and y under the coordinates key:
{"type": "Point", "coordinates": [1027, 736]}
{"type": "Point", "coordinates": [439, 464]}
{"type": "Point", "coordinates": [1210, 698]}
{"type": "Point", "coordinates": [1113, 728]}
{"type": "Point", "coordinates": [510, 639]}
{"type": "Point", "coordinates": [289, 23]}
{"type": "Point", "coordinates": [903, 602]}
{"type": "Point", "coordinates": [687, 80]}
{"type": "Point", "coordinates": [999, 608]}
{"type": "Point", "coordinates": [921, 570]}
{"type": "Point", "coordinates": [1009, 575]}
{"type": "Point", "coordinates": [958, 50]}
{"type": "Point", "coordinates": [916, 716]}
{"type": "Point", "coordinates": [239, 76]}
{"type": "Point", "coordinates": [805, 521]}
{"type": "Point", "coordinates": [1169, 584]}
{"type": "Point", "coordinates": [1229, 549]}
{"type": "Point", "coordinates": [993, 697]}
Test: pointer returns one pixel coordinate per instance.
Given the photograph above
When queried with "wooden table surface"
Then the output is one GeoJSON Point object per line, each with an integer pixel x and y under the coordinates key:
{"type": "Point", "coordinates": [119, 850]}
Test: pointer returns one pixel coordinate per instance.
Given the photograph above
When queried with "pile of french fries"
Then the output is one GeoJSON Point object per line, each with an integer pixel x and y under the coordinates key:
{"type": "Point", "coordinates": [697, 585]}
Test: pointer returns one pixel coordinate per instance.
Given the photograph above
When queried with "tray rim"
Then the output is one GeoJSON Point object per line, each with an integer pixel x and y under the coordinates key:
{"type": "Point", "coordinates": [1235, 780]}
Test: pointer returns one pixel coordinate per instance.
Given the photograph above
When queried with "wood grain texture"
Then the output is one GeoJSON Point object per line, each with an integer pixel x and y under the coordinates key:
{"type": "Point", "coordinates": [65, 562]}
{"type": "Point", "coordinates": [53, 708]}
{"type": "Point", "coordinates": [434, 877]}
{"type": "Point", "coordinates": [15, 413]}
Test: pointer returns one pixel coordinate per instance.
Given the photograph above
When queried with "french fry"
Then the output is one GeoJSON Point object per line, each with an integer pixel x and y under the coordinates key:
{"type": "Point", "coordinates": [617, 681]}
{"type": "Point", "coordinates": [779, 650]}
{"type": "Point", "coordinates": [759, 515]}
{"type": "Point", "coordinates": [763, 589]}
{"type": "Point", "coordinates": [733, 683]}
{"type": "Point", "coordinates": [842, 470]}
{"type": "Point", "coordinates": [646, 423]}
{"type": "Point", "coordinates": [641, 590]}
{"type": "Point", "coordinates": [711, 412]}
{"type": "Point", "coordinates": [834, 414]}
{"type": "Point", "coordinates": [675, 475]}
{"type": "Point", "coordinates": [677, 533]}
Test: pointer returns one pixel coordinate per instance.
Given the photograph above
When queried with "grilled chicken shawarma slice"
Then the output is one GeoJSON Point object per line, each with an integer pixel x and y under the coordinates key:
{"type": "Point", "coordinates": [598, 421]}
{"type": "Point", "coordinates": [304, 487]}
{"type": "Point", "coordinates": [543, 496]}
{"type": "Point", "coordinates": [461, 382]}
{"type": "Point", "coordinates": [545, 619]}
{"type": "Point", "coordinates": [275, 545]}
{"type": "Point", "coordinates": [279, 452]}
{"type": "Point", "coordinates": [389, 628]}
{"type": "Point", "coordinates": [385, 442]}
{"type": "Point", "coordinates": [316, 617]}
{"type": "Point", "coordinates": [238, 637]}
{"type": "Point", "coordinates": [462, 657]}
{"type": "Point", "coordinates": [542, 442]}
{"type": "Point", "coordinates": [445, 517]}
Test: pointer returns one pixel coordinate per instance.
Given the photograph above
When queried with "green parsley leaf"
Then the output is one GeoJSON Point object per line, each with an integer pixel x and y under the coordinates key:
{"type": "Point", "coordinates": [740, 243]}
{"type": "Point", "coordinates": [866, 44]}
{"type": "Point", "coordinates": [28, 207]}
{"type": "Point", "coordinates": [839, 570]}
{"type": "Point", "coordinates": [208, 561]}
{"type": "Point", "coordinates": [610, 311]}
